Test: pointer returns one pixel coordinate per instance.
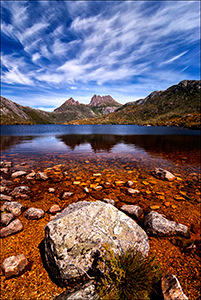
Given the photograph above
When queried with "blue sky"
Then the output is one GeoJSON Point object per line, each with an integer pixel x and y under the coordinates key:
{"type": "Point", "coordinates": [54, 50]}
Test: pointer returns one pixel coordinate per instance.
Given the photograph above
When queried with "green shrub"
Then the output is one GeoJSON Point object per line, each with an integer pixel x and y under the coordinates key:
{"type": "Point", "coordinates": [127, 276]}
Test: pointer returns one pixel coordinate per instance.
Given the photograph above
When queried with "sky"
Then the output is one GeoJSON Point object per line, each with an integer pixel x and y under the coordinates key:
{"type": "Point", "coordinates": [54, 50]}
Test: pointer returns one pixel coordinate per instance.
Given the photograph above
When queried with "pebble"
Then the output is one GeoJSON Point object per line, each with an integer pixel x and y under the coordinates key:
{"type": "Point", "coordinates": [5, 198]}
{"type": "Point", "coordinates": [41, 176]}
{"type": "Point", "coordinates": [76, 182]}
{"type": "Point", "coordinates": [154, 206]}
{"type": "Point", "coordinates": [13, 207]}
{"type": "Point", "coordinates": [129, 183]}
{"type": "Point", "coordinates": [145, 182]}
{"type": "Point", "coordinates": [20, 189]}
{"type": "Point", "coordinates": [132, 191]}
{"type": "Point", "coordinates": [119, 183]}
{"type": "Point", "coordinates": [171, 288]}
{"type": "Point", "coordinates": [18, 174]}
{"type": "Point", "coordinates": [6, 164]}
{"type": "Point", "coordinates": [97, 174]}
{"type": "Point", "coordinates": [14, 227]}
{"type": "Point", "coordinates": [132, 210]}
{"type": "Point", "coordinates": [31, 175]}
{"type": "Point", "coordinates": [14, 265]}
{"type": "Point", "coordinates": [54, 209]}
{"type": "Point", "coordinates": [164, 174]}
{"type": "Point", "coordinates": [6, 218]}
{"type": "Point", "coordinates": [67, 194]}
{"type": "Point", "coordinates": [51, 190]}
{"type": "Point", "coordinates": [34, 213]}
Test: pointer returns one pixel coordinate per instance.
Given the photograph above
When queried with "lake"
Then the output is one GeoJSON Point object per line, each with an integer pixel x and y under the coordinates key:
{"type": "Point", "coordinates": [116, 146]}
{"type": "Point", "coordinates": [96, 162]}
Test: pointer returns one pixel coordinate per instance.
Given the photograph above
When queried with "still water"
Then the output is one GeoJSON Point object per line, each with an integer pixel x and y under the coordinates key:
{"type": "Point", "coordinates": [104, 145]}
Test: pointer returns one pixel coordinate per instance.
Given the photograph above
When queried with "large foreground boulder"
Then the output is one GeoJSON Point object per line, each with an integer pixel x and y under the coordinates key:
{"type": "Point", "coordinates": [76, 237]}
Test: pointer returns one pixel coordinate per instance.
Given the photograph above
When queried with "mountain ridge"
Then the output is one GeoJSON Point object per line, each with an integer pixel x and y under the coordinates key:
{"type": "Point", "coordinates": [178, 105]}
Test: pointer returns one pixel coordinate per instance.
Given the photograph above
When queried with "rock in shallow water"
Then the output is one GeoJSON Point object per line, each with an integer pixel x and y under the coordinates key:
{"type": "Point", "coordinates": [6, 218]}
{"type": "Point", "coordinates": [171, 288]}
{"type": "Point", "coordinates": [13, 207]}
{"type": "Point", "coordinates": [79, 233]}
{"type": "Point", "coordinates": [34, 213]}
{"type": "Point", "coordinates": [14, 227]}
{"type": "Point", "coordinates": [156, 224]}
{"type": "Point", "coordinates": [13, 265]}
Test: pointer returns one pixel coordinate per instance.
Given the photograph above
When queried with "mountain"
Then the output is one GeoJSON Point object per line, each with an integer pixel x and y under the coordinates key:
{"type": "Point", "coordinates": [66, 104]}
{"type": "Point", "coordinates": [13, 113]}
{"type": "Point", "coordinates": [179, 105]}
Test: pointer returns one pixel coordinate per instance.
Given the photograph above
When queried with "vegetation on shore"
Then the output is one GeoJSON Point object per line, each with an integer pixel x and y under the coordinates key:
{"type": "Point", "coordinates": [127, 276]}
{"type": "Point", "coordinates": [179, 105]}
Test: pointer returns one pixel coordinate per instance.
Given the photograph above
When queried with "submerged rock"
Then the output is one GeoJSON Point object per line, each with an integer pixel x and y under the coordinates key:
{"type": "Point", "coordinates": [164, 174]}
{"type": "Point", "coordinates": [76, 237]}
{"type": "Point", "coordinates": [13, 207]}
{"type": "Point", "coordinates": [6, 218]}
{"type": "Point", "coordinates": [14, 265]}
{"type": "Point", "coordinates": [132, 210]}
{"type": "Point", "coordinates": [171, 288]}
{"type": "Point", "coordinates": [156, 224]}
{"type": "Point", "coordinates": [34, 213]}
{"type": "Point", "coordinates": [18, 174]}
{"type": "Point", "coordinates": [14, 227]}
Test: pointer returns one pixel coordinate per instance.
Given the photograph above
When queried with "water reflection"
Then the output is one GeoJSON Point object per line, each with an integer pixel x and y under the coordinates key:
{"type": "Point", "coordinates": [172, 147]}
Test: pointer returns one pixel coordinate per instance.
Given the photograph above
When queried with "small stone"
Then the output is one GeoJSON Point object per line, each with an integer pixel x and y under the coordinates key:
{"type": "Point", "coordinates": [107, 185]}
{"type": "Point", "coordinates": [3, 189]}
{"type": "Point", "coordinates": [31, 175]}
{"type": "Point", "coordinates": [93, 185]}
{"type": "Point", "coordinates": [14, 265]}
{"type": "Point", "coordinates": [164, 174]}
{"type": "Point", "coordinates": [167, 203]}
{"type": "Point", "coordinates": [154, 207]}
{"type": "Point", "coordinates": [18, 174]}
{"type": "Point", "coordinates": [132, 210]}
{"type": "Point", "coordinates": [171, 288]}
{"type": "Point", "coordinates": [198, 200]}
{"type": "Point", "coordinates": [41, 176]}
{"type": "Point", "coordinates": [67, 194]}
{"type": "Point", "coordinates": [76, 182]}
{"type": "Point", "coordinates": [119, 183]}
{"type": "Point", "coordinates": [132, 191]}
{"type": "Point", "coordinates": [4, 170]}
{"type": "Point", "coordinates": [54, 209]}
{"type": "Point", "coordinates": [13, 207]}
{"type": "Point", "coordinates": [20, 189]}
{"type": "Point", "coordinates": [14, 227]}
{"type": "Point", "coordinates": [86, 190]}
{"type": "Point", "coordinates": [129, 183]}
{"type": "Point", "coordinates": [5, 198]}
{"type": "Point", "coordinates": [51, 190]}
{"type": "Point", "coordinates": [179, 178]}
{"type": "Point", "coordinates": [97, 174]}
{"type": "Point", "coordinates": [98, 188]}
{"type": "Point", "coordinates": [34, 213]}
{"type": "Point", "coordinates": [145, 182]}
{"type": "Point", "coordinates": [6, 164]}
{"type": "Point", "coordinates": [148, 192]}
{"type": "Point", "coordinates": [173, 206]}
{"type": "Point", "coordinates": [6, 218]}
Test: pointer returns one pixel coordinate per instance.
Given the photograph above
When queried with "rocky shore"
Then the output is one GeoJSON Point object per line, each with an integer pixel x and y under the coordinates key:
{"type": "Point", "coordinates": [158, 212]}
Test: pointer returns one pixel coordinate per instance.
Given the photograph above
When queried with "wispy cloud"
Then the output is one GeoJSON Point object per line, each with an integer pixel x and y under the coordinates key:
{"type": "Point", "coordinates": [105, 44]}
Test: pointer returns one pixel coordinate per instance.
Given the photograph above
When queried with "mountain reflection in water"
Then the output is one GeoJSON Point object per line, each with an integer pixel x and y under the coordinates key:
{"type": "Point", "coordinates": [166, 146]}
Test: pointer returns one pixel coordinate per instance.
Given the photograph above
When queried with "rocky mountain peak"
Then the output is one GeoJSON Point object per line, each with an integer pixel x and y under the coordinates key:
{"type": "Point", "coordinates": [67, 103]}
{"type": "Point", "coordinates": [98, 101]}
